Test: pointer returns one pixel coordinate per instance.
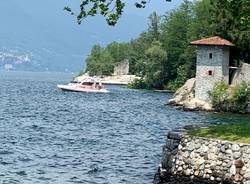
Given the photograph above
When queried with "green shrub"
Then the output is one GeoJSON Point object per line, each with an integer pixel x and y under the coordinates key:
{"type": "Point", "coordinates": [180, 79]}
{"type": "Point", "coordinates": [138, 84]}
{"type": "Point", "coordinates": [172, 85]}
{"type": "Point", "coordinates": [230, 99]}
{"type": "Point", "coordinates": [219, 96]}
{"type": "Point", "coordinates": [241, 97]}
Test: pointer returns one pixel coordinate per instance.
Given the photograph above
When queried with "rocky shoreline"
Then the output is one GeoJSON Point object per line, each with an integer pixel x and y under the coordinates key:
{"type": "Point", "coordinates": [184, 98]}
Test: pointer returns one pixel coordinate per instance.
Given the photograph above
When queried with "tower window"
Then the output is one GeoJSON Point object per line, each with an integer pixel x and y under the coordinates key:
{"type": "Point", "coordinates": [210, 72]}
{"type": "Point", "coordinates": [210, 55]}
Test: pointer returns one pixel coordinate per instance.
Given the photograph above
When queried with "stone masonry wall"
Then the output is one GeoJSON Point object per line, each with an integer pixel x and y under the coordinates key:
{"type": "Point", "coordinates": [204, 160]}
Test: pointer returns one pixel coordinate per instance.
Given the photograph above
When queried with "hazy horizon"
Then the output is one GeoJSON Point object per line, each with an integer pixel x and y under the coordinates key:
{"type": "Point", "coordinates": [41, 36]}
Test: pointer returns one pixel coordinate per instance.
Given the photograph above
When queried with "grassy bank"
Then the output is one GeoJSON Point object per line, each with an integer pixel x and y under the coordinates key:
{"type": "Point", "coordinates": [239, 132]}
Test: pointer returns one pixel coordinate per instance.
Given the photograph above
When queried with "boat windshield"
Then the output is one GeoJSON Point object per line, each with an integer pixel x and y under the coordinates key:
{"type": "Point", "coordinates": [87, 83]}
{"type": "Point", "coordinates": [74, 82]}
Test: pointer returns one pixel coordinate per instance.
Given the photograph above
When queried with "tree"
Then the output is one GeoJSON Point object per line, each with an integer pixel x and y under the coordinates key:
{"type": "Point", "coordinates": [175, 36]}
{"type": "Point", "coordinates": [154, 26]}
{"type": "Point", "coordinates": [200, 25]}
{"type": "Point", "coordinates": [156, 58]}
{"type": "Point", "coordinates": [99, 62]}
{"type": "Point", "coordinates": [137, 55]}
{"type": "Point", "coordinates": [230, 19]}
{"type": "Point", "coordinates": [118, 51]}
{"type": "Point", "coordinates": [111, 10]}
{"type": "Point", "coordinates": [138, 46]}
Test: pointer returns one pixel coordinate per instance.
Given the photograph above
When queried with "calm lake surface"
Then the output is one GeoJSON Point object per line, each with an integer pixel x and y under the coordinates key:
{"type": "Point", "coordinates": [50, 136]}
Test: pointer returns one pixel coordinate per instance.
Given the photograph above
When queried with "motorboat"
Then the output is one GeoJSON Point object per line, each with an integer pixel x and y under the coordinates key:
{"type": "Point", "coordinates": [89, 86]}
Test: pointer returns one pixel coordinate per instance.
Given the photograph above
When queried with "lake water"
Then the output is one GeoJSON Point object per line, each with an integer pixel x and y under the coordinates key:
{"type": "Point", "coordinates": [50, 136]}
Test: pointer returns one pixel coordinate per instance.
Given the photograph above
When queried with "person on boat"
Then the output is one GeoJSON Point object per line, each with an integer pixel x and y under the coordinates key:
{"type": "Point", "coordinates": [100, 85]}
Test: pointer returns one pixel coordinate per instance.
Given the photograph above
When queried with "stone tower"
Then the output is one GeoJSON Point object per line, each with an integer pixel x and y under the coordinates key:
{"type": "Point", "coordinates": [212, 64]}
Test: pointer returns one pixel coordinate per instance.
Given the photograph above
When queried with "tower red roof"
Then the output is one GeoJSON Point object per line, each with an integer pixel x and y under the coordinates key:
{"type": "Point", "coordinates": [216, 40]}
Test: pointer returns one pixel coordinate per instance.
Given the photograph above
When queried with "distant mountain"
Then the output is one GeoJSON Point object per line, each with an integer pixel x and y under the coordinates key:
{"type": "Point", "coordinates": [39, 35]}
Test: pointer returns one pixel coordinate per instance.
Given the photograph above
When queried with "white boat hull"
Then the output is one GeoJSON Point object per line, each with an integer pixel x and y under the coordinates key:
{"type": "Point", "coordinates": [80, 89]}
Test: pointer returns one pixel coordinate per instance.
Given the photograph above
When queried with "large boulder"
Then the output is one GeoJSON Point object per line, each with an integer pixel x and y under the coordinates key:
{"type": "Point", "coordinates": [184, 94]}
{"type": "Point", "coordinates": [185, 97]}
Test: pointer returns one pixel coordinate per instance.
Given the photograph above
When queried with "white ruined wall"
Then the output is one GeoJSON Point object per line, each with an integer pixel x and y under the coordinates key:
{"type": "Point", "coordinates": [122, 68]}
{"type": "Point", "coordinates": [218, 65]}
{"type": "Point", "coordinates": [242, 74]}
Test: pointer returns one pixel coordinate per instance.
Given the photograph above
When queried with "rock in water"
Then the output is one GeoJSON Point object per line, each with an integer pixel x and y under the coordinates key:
{"type": "Point", "coordinates": [185, 97]}
{"type": "Point", "coordinates": [184, 94]}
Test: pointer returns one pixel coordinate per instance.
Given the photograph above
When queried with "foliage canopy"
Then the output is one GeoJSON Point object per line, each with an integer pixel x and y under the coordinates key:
{"type": "Point", "coordinates": [162, 55]}
{"type": "Point", "coordinates": [111, 10]}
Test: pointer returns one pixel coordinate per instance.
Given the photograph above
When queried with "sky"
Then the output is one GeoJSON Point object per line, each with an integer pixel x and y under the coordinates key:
{"type": "Point", "coordinates": [54, 39]}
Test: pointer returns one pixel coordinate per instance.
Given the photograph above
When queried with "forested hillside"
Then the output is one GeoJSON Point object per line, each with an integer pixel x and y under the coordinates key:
{"type": "Point", "coordinates": [162, 54]}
